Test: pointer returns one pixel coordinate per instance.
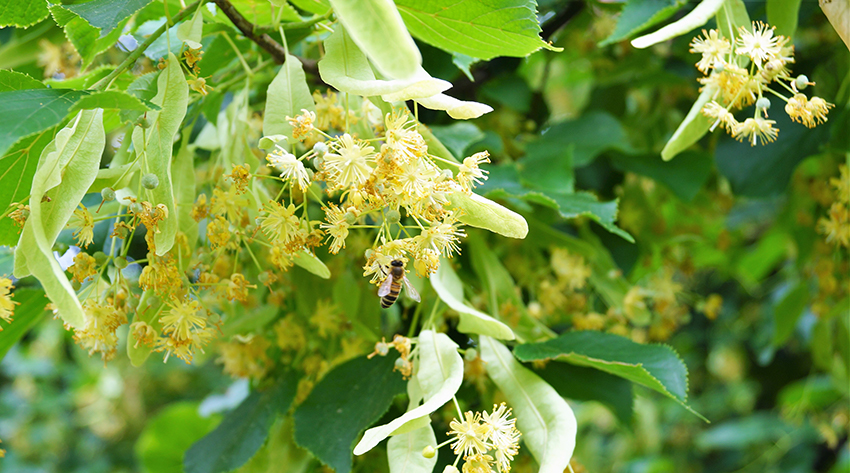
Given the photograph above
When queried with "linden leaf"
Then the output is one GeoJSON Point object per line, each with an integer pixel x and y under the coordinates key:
{"type": "Point", "coordinates": [696, 18]}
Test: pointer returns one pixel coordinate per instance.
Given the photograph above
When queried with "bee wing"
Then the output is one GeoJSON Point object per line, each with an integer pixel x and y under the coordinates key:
{"type": "Point", "coordinates": [385, 287]}
{"type": "Point", "coordinates": [410, 291]}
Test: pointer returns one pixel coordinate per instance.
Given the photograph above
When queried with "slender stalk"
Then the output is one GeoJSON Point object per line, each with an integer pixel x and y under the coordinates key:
{"type": "Point", "coordinates": [131, 59]}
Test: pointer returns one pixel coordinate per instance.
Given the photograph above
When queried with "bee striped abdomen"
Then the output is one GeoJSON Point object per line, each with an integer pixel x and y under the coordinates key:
{"type": "Point", "coordinates": [390, 298]}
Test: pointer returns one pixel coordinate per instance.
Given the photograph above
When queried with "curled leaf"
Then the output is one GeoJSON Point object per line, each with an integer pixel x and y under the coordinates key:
{"type": "Point", "coordinates": [696, 18]}
{"type": "Point", "coordinates": [457, 109]}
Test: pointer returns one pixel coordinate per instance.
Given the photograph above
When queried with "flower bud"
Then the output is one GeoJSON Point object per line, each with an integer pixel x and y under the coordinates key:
{"type": "Point", "coordinates": [320, 148]}
{"type": "Point", "coordinates": [120, 262]}
{"type": "Point", "coordinates": [428, 452]}
{"type": "Point", "coordinates": [150, 181]}
{"type": "Point", "coordinates": [763, 103]}
{"type": "Point", "coordinates": [393, 216]}
{"type": "Point", "coordinates": [107, 194]}
{"type": "Point", "coordinates": [154, 301]}
{"type": "Point", "coordinates": [99, 257]}
{"type": "Point", "coordinates": [801, 82]}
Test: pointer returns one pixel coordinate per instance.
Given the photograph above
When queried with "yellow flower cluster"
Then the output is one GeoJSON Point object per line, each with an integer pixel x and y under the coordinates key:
{"type": "Point", "coordinates": [836, 226]}
{"type": "Point", "coordinates": [736, 85]}
{"type": "Point", "coordinates": [7, 305]}
{"type": "Point", "coordinates": [480, 434]}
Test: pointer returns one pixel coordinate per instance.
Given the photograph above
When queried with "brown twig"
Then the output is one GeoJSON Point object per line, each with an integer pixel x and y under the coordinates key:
{"type": "Point", "coordinates": [247, 28]}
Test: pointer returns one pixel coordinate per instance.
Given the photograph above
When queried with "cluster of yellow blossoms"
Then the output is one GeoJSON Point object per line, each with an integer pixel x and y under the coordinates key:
{"type": "Point", "coordinates": [836, 226]}
{"type": "Point", "coordinates": [480, 434]}
{"type": "Point", "coordinates": [7, 305]}
{"type": "Point", "coordinates": [737, 85]}
{"type": "Point", "coordinates": [378, 190]}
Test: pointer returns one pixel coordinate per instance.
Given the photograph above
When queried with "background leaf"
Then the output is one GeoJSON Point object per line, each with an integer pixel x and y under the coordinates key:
{"type": "Point", "coordinates": [371, 386]}
{"type": "Point", "coordinates": [242, 431]}
{"type": "Point", "coordinates": [287, 95]}
{"type": "Point", "coordinates": [17, 168]}
{"type": "Point", "coordinates": [589, 384]}
{"type": "Point", "coordinates": [22, 14]}
{"type": "Point", "coordinates": [29, 311]}
{"type": "Point", "coordinates": [106, 14]}
{"type": "Point", "coordinates": [637, 15]}
{"type": "Point", "coordinates": [160, 446]}
{"type": "Point", "coordinates": [30, 111]}
{"type": "Point", "coordinates": [113, 99]}
{"type": "Point", "coordinates": [12, 80]}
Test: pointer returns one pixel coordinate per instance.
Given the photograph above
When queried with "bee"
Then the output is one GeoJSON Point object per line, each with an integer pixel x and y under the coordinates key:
{"type": "Point", "coordinates": [388, 292]}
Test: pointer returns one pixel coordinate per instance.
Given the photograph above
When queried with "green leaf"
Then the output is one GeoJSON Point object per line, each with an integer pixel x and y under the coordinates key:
{"type": "Point", "coordinates": [161, 446]}
{"type": "Point", "coordinates": [242, 431]}
{"type": "Point", "coordinates": [638, 15]}
{"type": "Point", "coordinates": [546, 421]}
{"type": "Point", "coordinates": [435, 147]}
{"type": "Point", "coordinates": [66, 169]}
{"type": "Point", "coordinates": [22, 14]}
{"type": "Point", "coordinates": [449, 289]}
{"type": "Point", "coordinates": [316, 7]}
{"type": "Point", "coordinates": [17, 168]}
{"type": "Point", "coordinates": [590, 135]}
{"type": "Point", "coordinates": [696, 18]}
{"type": "Point", "coordinates": [12, 80]}
{"type": "Point", "coordinates": [746, 432]}
{"type": "Point", "coordinates": [765, 171]}
{"type": "Point", "coordinates": [548, 168]}
{"type": "Point", "coordinates": [377, 29]}
{"type": "Point", "coordinates": [440, 376]}
{"type": "Point", "coordinates": [692, 128]}
{"type": "Point", "coordinates": [684, 176]}
{"type": "Point", "coordinates": [30, 111]}
{"type": "Point", "coordinates": [458, 136]}
{"type": "Point", "coordinates": [588, 384]}
{"type": "Point", "coordinates": [154, 146]}
{"type": "Point", "coordinates": [346, 68]}
{"type": "Point", "coordinates": [280, 450]}
{"type": "Point", "coordinates": [657, 367]}
{"type": "Point", "coordinates": [481, 212]}
{"type": "Point", "coordinates": [783, 14]}
{"type": "Point", "coordinates": [370, 385]}
{"type": "Point", "coordinates": [113, 99]}
{"type": "Point", "coordinates": [191, 31]}
{"type": "Point", "coordinates": [475, 28]}
{"type": "Point", "coordinates": [29, 311]}
{"type": "Point", "coordinates": [87, 39]}
{"type": "Point", "coordinates": [106, 14]}
{"type": "Point", "coordinates": [312, 263]}
{"type": "Point", "coordinates": [788, 311]}
{"type": "Point", "coordinates": [404, 451]}
{"type": "Point", "coordinates": [287, 94]}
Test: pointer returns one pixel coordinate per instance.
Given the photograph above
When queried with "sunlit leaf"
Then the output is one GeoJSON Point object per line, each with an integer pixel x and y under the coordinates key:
{"type": "Point", "coordinates": [637, 15]}
{"type": "Point", "coordinates": [106, 14]}
{"type": "Point", "coordinates": [481, 212]}
{"type": "Point", "coordinates": [12, 80]}
{"type": "Point", "coordinates": [21, 14]}
{"type": "Point", "coordinates": [191, 31]}
{"type": "Point", "coordinates": [474, 28]}
{"type": "Point", "coordinates": [30, 111]}
{"type": "Point", "coordinates": [696, 18]}
{"type": "Point", "coordinates": [692, 128]}
{"type": "Point", "coordinates": [404, 452]}
{"type": "Point", "coordinates": [113, 99]}
{"type": "Point", "coordinates": [287, 95]}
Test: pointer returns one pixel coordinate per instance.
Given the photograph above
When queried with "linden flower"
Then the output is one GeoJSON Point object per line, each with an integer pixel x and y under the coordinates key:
{"type": "Point", "coordinates": [325, 318]}
{"type": "Point", "coordinates": [714, 49]}
{"type": "Point", "coordinates": [237, 287]}
{"type": "Point", "coordinates": [837, 226]}
{"type": "Point", "coordinates": [183, 318]}
{"type": "Point", "coordinates": [842, 183]}
{"type": "Point", "coordinates": [290, 334]}
{"type": "Point", "coordinates": [470, 435]}
{"type": "Point", "coordinates": [245, 357]}
{"type": "Point", "coordinates": [402, 140]}
{"type": "Point", "coordinates": [218, 232]}
{"type": "Point", "coordinates": [337, 227]}
{"type": "Point", "coordinates": [721, 115]}
{"type": "Point", "coordinates": [7, 305]}
{"type": "Point", "coordinates": [280, 225]}
{"type": "Point", "coordinates": [290, 167]}
{"type": "Point", "coordinates": [571, 269]}
{"type": "Point", "coordinates": [760, 44]}
{"type": "Point", "coordinates": [818, 108]}
{"type": "Point", "coordinates": [504, 435]}
{"type": "Point", "coordinates": [415, 179]}
{"type": "Point", "coordinates": [442, 237]}
{"type": "Point", "coordinates": [97, 334]}
{"type": "Point", "coordinates": [84, 225]}
{"type": "Point", "coordinates": [302, 124]}
{"type": "Point", "coordinates": [478, 463]}
{"type": "Point", "coordinates": [755, 129]}
{"type": "Point", "coordinates": [350, 163]}
{"type": "Point", "coordinates": [143, 333]}
{"type": "Point", "coordinates": [469, 175]}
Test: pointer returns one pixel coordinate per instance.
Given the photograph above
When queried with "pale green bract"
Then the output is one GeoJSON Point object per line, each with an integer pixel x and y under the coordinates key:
{"type": "Point", "coordinates": [545, 419]}
{"type": "Point", "coordinates": [154, 147]}
{"type": "Point", "coordinates": [287, 95]}
{"type": "Point", "coordinates": [457, 109]}
{"type": "Point", "coordinates": [404, 452]}
{"type": "Point", "coordinates": [692, 128]}
{"type": "Point", "coordinates": [191, 31]}
{"type": "Point", "coordinates": [312, 263]}
{"type": "Point", "coordinates": [440, 375]}
{"type": "Point", "coordinates": [450, 290]}
{"type": "Point", "coordinates": [696, 18]}
{"type": "Point", "coordinates": [347, 69]}
{"type": "Point", "coordinates": [377, 28]}
{"type": "Point", "coordinates": [481, 212]}
{"type": "Point", "coordinates": [66, 169]}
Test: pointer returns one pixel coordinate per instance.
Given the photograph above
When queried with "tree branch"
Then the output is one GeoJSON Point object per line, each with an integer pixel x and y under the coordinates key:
{"type": "Point", "coordinates": [247, 28]}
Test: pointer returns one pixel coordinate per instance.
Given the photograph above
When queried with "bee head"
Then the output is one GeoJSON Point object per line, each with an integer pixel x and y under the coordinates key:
{"type": "Point", "coordinates": [397, 263]}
